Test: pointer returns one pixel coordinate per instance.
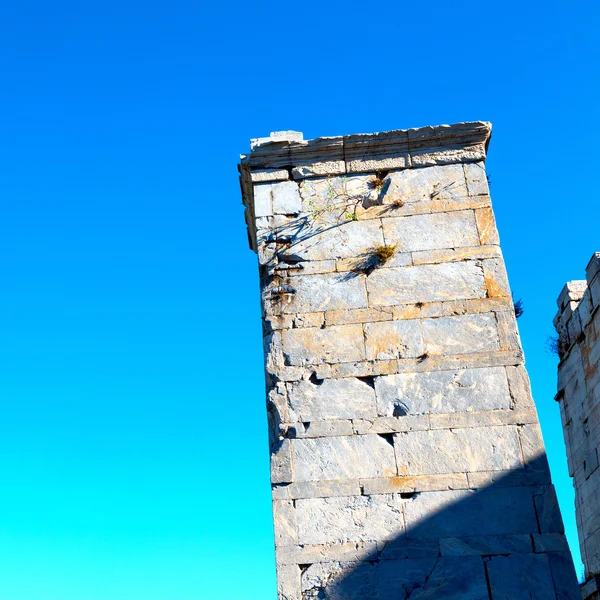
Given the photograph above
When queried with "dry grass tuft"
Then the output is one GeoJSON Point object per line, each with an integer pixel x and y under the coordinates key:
{"type": "Point", "coordinates": [385, 252]}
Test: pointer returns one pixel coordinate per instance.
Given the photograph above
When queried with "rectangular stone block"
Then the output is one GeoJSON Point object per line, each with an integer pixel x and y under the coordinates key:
{"type": "Point", "coordinates": [431, 232]}
{"type": "Point", "coordinates": [486, 226]}
{"type": "Point", "coordinates": [366, 519]}
{"type": "Point", "coordinates": [465, 513]}
{"type": "Point", "coordinates": [496, 279]}
{"type": "Point", "coordinates": [521, 577]}
{"type": "Point", "coordinates": [315, 429]}
{"type": "Point", "coordinates": [422, 185]}
{"type": "Point", "coordinates": [425, 283]}
{"type": "Point", "coordinates": [486, 544]}
{"type": "Point", "coordinates": [348, 398]}
{"type": "Point", "coordinates": [343, 343]}
{"type": "Point", "coordinates": [455, 254]}
{"type": "Point", "coordinates": [461, 335]}
{"type": "Point", "coordinates": [276, 198]}
{"type": "Point", "coordinates": [324, 489]}
{"type": "Point", "coordinates": [331, 291]}
{"type": "Point", "coordinates": [355, 457]}
{"type": "Point", "coordinates": [457, 451]}
{"type": "Point", "coordinates": [393, 339]}
{"type": "Point", "coordinates": [284, 518]}
{"type": "Point", "coordinates": [442, 392]}
{"type": "Point", "coordinates": [481, 418]}
{"type": "Point", "coordinates": [428, 483]}
{"type": "Point", "coordinates": [315, 240]}
{"type": "Point", "coordinates": [477, 183]}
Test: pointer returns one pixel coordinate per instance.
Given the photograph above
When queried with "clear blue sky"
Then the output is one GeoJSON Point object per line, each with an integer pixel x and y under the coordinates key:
{"type": "Point", "coordinates": [133, 450]}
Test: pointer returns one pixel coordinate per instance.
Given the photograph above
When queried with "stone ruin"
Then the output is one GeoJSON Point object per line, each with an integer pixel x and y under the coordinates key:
{"type": "Point", "coordinates": [406, 455]}
{"type": "Point", "coordinates": [578, 326]}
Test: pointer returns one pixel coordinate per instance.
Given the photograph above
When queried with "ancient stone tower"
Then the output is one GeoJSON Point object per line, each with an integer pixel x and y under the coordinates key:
{"type": "Point", "coordinates": [578, 327]}
{"type": "Point", "coordinates": [406, 456]}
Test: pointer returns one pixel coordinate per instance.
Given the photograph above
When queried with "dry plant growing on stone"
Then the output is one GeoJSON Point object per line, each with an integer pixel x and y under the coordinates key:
{"type": "Point", "coordinates": [384, 252]}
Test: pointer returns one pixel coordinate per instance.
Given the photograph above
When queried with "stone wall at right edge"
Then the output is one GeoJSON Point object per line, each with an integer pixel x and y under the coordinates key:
{"type": "Point", "coordinates": [578, 326]}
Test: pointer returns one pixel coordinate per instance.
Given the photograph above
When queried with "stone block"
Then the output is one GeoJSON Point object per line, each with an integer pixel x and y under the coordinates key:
{"type": "Point", "coordinates": [431, 232]}
{"type": "Point", "coordinates": [460, 335]}
{"type": "Point", "coordinates": [548, 512]}
{"type": "Point", "coordinates": [269, 175]}
{"type": "Point", "coordinates": [393, 339]}
{"type": "Point", "coordinates": [392, 424]}
{"type": "Point", "coordinates": [532, 443]}
{"type": "Point", "coordinates": [465, 513]}
{"type": "Point", "coordinates": [331, 291]}
{"type": "Point", "coordinates": [508, 332]}
{"type": "Point", "coordinates": [343, 343]}
{"type": "Point", "coordinates": [329, 241]}
{"type": "Point", "coordinates": [289, 585]}
{"type": "Point", "coordinates": [366, 519]}
{"type": "Point", "coordinates": [354, 457]}
{"type": "Point", "coordinates": [425, 283]}
{"type": "Point", "coordinates": [347, 398]}
{"type": "Point", "coordinates": [315, 429]}
{"type": "Point", "coordinates": [496, 279]}
{"type": "Point", "coordinates": [481, 418]}
{"type": "Point", "coordinates": [442, 391]}
{"type": "Point", "coordinates": [475, 175]}
{"type": "Point", "coordinates": [549, 542]}
{"type": "Point", "coordinates": [440, 183]}
{"type": "Point", "coordinates": [486, 544]}
{"type": "Point", "coordinates": [486, 226]}
{"type": "Point", "coordinates": [512, 478]}
{"type": "Point", "coordinates": [279, 198]}
{"type": "Point", "coordinates": [520, 389]}
{"type": "Point", "coordinates": [520, 577]}
{"type": "Point", "coordinates": [360, 315]}
{"type": "Point", "coordinates": [427, 483]}
{"type": "Point", "coordinates": [454, 254]}
{"type": "Point", "coordinates": [457, 451]}
{"type": "Point", "coordinates": [284, 519]}
{"type": "Point", "coordinates": [563, 575]}
{"type": "Point", "coordinates": [376, 152]}
{"type": "Point", "coordinates": [324, 489]}
{"type": "Point", "coordinates": [281, 462]}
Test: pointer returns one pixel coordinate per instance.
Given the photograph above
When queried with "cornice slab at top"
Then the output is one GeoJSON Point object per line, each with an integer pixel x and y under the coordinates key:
{"type": "Point", "coordinates": [361, 153]}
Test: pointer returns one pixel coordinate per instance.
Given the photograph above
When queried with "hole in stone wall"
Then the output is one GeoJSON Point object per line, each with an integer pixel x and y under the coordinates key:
{"type": "Point", "coordinates": [400, 409]}
{"type": "Point", "coordinates": [388, 437]}
{"type": "Point", "coordinates": [408, 495]}
{"type": "Point", "coordinates": [370, 381]}
{"type": "Point", "coordinates": [315, 380]}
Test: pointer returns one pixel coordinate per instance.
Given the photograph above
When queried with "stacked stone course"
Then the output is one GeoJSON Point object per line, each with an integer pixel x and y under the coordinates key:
{"type": "Point", "coordinates": [578, 325]}
{"type": "Point", "coordinates": [406, 456]}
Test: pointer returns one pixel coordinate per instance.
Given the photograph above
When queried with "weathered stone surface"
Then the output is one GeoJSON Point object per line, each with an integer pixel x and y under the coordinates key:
{"type": "Point", "coordinates": [269, 175]}
{"type": "Point", "coordinates": [326, 241]}
{"type": "Point", "coordinates": [324, 489]}
{"type": "Point", "coordinates": [393, 339]}
{"type": "Point", "coordinates": [486, 545]}
{"type": "Point", "coordinates": [347, 398]}
{"type": "Point", "coordinates": [425, 283]}
{"type": "Point", "coordinates": [486, 226]}
{"type": "Point", "coordinates": [288, 582]}
{"type": "Point", "coordinates": [430, 232]}
{"type": "Point", "coordinates": [464, 513]}
{"type": "Point", "coordinates": [429, 483]}
{"type": "Point", "coordinates": [457, 451]}
{"type": "Point", "coordinates": [406, 453]}
{"type": "Point", "coordinates": [454, 254]}
{"type": "Point", "coordinates": [327, 292]}
{"type": "Point", "coordinates": [342, 458]}
{"type": "Point", "coordinates": [442, 392]}
{"type": "Point", "coordinates": [284, 518]}
{"type": "Point", "coordinates": [495, 278]}
{"type": "Point", "coordinates": [520, 577]}
{"type": "Point", "coordinates": [422, 185]}
{"type": "Point", "coordinates": [366, 519]}
{"type": "Point", "coordinates": [460, 335]}
{"type": "Point", "coordinates": [344, 343]}
{"type": "Point", "coordinates": [477, 183]}
{"type": "Point", "coordinates": [277, 198]}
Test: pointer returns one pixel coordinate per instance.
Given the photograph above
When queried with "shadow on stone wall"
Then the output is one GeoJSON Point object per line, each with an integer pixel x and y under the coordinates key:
{"type": "Point", "coordinates": [501, 542]}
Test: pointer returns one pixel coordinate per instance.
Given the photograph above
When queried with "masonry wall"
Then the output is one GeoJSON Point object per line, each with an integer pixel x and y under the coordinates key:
{"type": "Point", "coordinates": [406, 455]}
{"type": "Point", "coordinates": [578, 326]}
